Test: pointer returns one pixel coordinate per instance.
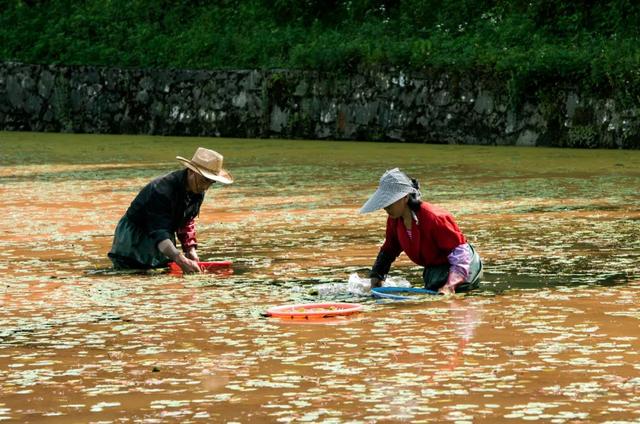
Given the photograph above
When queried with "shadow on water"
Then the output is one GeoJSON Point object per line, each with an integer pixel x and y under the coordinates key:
{"type": "Point", "coordinates": [492, 283]}
{"type": "Point", "coordinates": [503, 283]}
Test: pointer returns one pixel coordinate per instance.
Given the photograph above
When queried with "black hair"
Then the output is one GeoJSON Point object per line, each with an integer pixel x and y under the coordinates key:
{"type": "Point", "coordinates": [414, 200]}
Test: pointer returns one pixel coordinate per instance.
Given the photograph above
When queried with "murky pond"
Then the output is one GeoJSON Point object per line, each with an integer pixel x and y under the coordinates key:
{"type": "Point", "coordinates": [552, 335]}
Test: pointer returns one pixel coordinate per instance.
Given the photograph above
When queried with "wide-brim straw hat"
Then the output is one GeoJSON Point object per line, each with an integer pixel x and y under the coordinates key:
{"type": "Point", "coordinates": [208, 163]}
{"type": "Point", "coordinates": [394, 185]}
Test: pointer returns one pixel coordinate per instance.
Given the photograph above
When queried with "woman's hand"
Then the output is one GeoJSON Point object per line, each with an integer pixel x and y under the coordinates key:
{"type": "Point", "coordinates": [191, 254]}
{"type": "Point", "coordinates": [188, 265]}
{"type": "Point", "coordinates": [447, 290]}
{"type": "Point", "coordinates": [454, 280]}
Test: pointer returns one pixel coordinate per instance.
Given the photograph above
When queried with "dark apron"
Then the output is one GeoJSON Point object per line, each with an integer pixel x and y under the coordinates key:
{"type": "Point", "coordinates": [436, 276]}
{"type": "Point", "coordinates": [133, 249]}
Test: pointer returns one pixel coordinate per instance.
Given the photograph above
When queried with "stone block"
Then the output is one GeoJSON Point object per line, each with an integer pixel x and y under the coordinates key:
{"type": "Point", "coordinates": [483, 104]}
{"type": "Point", "coordinates": [527, 138]}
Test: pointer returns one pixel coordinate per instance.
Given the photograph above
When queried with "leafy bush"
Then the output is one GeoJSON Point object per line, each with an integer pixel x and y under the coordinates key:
{"type": "Point", "coordinates": [530, 42]}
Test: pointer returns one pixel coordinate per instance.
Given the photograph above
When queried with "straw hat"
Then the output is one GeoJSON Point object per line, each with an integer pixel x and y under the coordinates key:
{"type": "Point", "coordinates": [207, 163]}
{"type": "Point", "coordinates": [394, 185]}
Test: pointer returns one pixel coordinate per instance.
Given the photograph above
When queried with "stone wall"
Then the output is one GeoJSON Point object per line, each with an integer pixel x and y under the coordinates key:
{"type": "Point", "coordinates": [387, 105]}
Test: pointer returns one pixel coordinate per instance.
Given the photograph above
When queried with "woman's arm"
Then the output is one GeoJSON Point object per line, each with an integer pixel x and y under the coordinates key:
{"type": "Point", "coordinates": [460, 261]}
{"type": "Point", "coordinates": [381, 267]}
{"type": "Point", "coordinates": [388, 253]}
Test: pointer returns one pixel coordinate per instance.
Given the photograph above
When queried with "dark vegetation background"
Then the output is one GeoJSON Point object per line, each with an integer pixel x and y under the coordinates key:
{"type": "Point", "coordinates": [528, 42]}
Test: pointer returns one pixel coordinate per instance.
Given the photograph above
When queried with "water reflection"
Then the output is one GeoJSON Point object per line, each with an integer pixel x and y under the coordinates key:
{"type": "Point", "coordinates": [551, 336]}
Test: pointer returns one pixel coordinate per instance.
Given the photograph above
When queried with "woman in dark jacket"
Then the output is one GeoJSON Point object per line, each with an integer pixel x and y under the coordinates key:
{"type": "Point", "coordinates": [428, 235]}
{"type": "Point", "coordinates": [146, 235]}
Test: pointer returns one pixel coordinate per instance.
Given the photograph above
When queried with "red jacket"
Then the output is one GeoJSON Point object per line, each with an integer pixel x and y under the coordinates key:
{"type": "Point", "coordinates": [433, 238]}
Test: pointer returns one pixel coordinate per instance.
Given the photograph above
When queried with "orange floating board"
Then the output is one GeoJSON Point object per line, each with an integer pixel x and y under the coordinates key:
{"type": "Point", "coordinates": [206, 267]}
{"type": "Point", "coordinates": [314, 310]}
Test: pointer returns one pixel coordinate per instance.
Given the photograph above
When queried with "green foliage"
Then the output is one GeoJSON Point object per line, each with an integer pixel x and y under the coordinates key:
{"type": "Point", "coordinates": [529, 42]}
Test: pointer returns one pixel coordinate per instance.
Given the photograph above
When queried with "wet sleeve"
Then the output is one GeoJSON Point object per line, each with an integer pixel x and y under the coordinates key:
{"type": "Point", "coordinates": [159, 217]}
{"type": "Point", "coordinates": [187, 235]}
{"type": "Point", "coordinates": [460, 260]}
{"type": "Point", "coordinates": [388, 252]}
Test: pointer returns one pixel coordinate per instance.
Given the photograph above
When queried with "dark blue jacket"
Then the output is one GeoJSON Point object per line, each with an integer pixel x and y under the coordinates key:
{"type": "Point", "coordinates": [164, 205]}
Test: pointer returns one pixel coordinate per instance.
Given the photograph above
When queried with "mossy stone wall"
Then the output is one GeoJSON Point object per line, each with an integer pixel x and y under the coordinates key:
{"type": "Point", "coordinates": [376, 105]}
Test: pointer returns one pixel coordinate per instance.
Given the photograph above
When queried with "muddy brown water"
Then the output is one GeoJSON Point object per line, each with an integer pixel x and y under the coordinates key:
{"type": "Point", "coordinates": [552, 335]}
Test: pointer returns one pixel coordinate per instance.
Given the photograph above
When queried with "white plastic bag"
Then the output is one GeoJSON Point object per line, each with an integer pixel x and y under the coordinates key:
{"type": "Point", "coordinates": [330, 289]}
{"type": "Point", "coordinates": [396, 282]}
{"type": "Point", "coordinates": [362, 286]}
{"type": "Point", "coordinates": [357, 286]}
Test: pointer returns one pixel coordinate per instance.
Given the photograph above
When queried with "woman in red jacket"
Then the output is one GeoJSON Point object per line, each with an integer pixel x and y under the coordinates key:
{"type": "Point", "coordinates": [428, 235]}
